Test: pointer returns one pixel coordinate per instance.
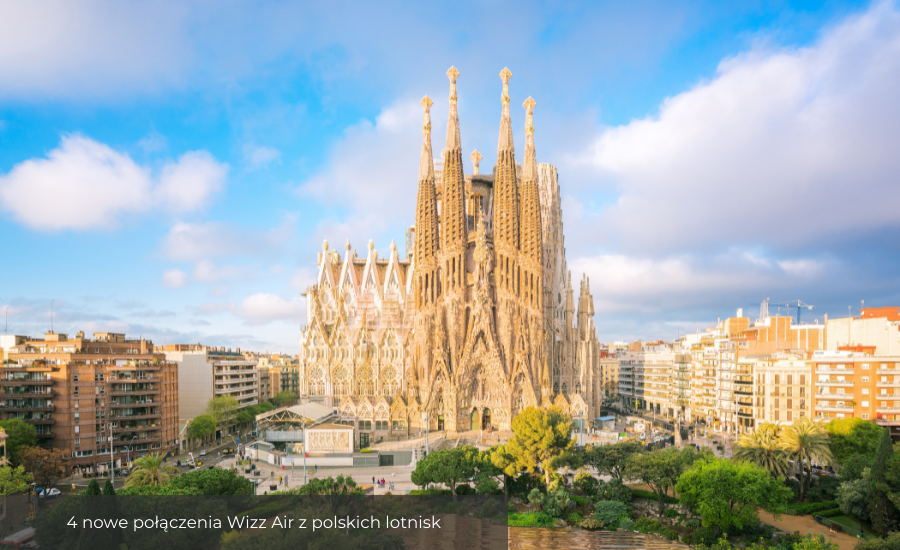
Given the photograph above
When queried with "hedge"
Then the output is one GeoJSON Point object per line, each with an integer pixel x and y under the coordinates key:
{"type": "Point", "coordinates": [530, 519]}
{"type": "Point", "coordinates": [831, 513]}
{"type": "Point", "coordinates": [640, 493]}
{"type": "Point", "coordinates": [804, 508]}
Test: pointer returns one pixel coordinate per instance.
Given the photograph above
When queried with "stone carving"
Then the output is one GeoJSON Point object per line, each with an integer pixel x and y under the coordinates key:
{"type": "Point", "coordinates": [328, 441]}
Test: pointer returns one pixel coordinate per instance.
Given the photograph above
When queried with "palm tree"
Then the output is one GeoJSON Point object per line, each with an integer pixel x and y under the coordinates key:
{"type": "Point", "coordinates": [807, 441]}
{"type": "Point", "coordinates": [148, 471]}
{"type": "Point", "coordinates": [763, 448]}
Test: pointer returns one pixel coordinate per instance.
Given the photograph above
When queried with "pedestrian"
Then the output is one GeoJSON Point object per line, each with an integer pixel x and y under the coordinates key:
{"type": "Point", "coordinates": [373, 480]}
{"type": "Point", "coordinates": [317, 468]}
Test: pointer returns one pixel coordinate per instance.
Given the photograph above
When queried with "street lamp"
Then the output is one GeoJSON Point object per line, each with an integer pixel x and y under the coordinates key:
{"type": "Point", "coordinates": [112, 465]}
{"type": "Point", "coordinates": [130, 445]}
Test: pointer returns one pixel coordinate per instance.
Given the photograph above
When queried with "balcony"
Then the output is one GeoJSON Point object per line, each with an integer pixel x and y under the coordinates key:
{"type": "Point", "coordinates": [886, 397]}
{"type": "Point", "coordinates": [877, 384]}
{"type": "Point", "coordinates": [834, 371]}
{"type": "Point", "coordinates": [835, 408]}
{"type": "Point", "coordinates": [123, 417]}
{"type": "Point", "coordinates": [888, 409]}
{"type": "Point", "coordinates": [28, 394]}
{"type": "Point", "coordinates": [743, 414]}
{"type": "Point", "coordinates": [233, 389]}
{"type": "Point", "coordinates": [32, 407]}
{"type": "Point", "coordinates": [25, 382]}
{"type": "Point", "coordinates": [889, 370]}
{"type": "Point", "coordinates": [45, 435]}
{"type": "Point", "coordinates": [42, 421]}
{"type": "Point", "coordinates": [148, 428]}
{"type": "Point", "coordinates": [133, 404]}
{"type": "Point", "coordinates": [841, 395]}
{"type": "Point", "coordinates": [748, 392]}
{"type": "Point", "coordinates": [125, 393]}
{"type": "Point", "coordinates": [843, 383]}
{"type": "Point", "coordinates": [134, 368]}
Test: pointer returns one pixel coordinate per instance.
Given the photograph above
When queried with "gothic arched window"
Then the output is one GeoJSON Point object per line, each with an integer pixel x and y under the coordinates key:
{"type": "Point", "coordinates": [565, 389]}
{"type": "Point", "coordinates": [578, 388]}
{"type": "Point", "coordinates": [556, 387]}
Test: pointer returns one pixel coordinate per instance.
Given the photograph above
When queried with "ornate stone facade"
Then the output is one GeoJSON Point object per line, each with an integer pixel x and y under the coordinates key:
{"type": "Point", "coordinates": [477, 323]}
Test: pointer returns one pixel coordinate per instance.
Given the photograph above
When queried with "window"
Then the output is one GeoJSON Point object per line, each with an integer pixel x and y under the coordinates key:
{"type": "Point", "coordinates": [76, 390]}
{"type": "Point", "coordinates": [399, 425]}
{"type": "Point", "coordinates": [789, 416]}
{"type": "Point", "coordinates": [777, 379]}
{"type": "Point", "coordinates": [77, 442]}
{"type": "Point", "coordinates": [776, 415]}
{"type": "Point", "coordinates": [865, 403]}
{"type": "Point", "coordinates": [865, 378]}
{"type": "Point", "coordinates": [96, 377]}
{"type": "Point", "coordinates": [790, 380]}
{"type": "Point", "coordinates": [790, 407]}
{"type": "Point", "coordinates": [381, 424]}
{"type": "Point", "coordinates": [76, 403]}
{"type": "Point", "coordinates": [865, 391]}
{"type": "Point", "coordinates": [75, 378]}
{"type": "Point", "coordinates": [802, 380]}
{"type": "Point", "coordinates": [77, 429]}
{"type": "Point", "coordinates": [865, 416]}
{"type": "Point", "coordinates": [865, 366]}
{"type": "Point", "coordinates": [365, 424]}
{"type": "Point", "coordinates": [884, 378]}
{"type": "Point", "coordinates": [77, 415]}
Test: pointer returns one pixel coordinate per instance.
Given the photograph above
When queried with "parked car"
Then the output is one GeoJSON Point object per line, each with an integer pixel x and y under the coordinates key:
{"type": "Point", "coordinates": [203, 453]}
{"type": "Point", "coordinates": [53, 492]}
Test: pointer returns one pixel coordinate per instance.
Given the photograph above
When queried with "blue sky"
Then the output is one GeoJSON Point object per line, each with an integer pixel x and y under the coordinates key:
{"type": "Point", "coordinates": [168, 169]}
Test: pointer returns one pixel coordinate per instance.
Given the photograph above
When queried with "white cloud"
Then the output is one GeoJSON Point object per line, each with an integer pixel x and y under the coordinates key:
{"type": "Point", "coordinates": [781, 148]}
{"type": "Point", "coordinates": [199, 241]}
{"type": "Point", "coordinates": [371, 173]}
{"type": "Point", "coordinates": [83, 185]}
{"type": "Point", "coordinates": [174, 278]}
{"type": "Point", "coordinates": [262, 308]}
{"type": "Point", "coordinates": [153, 142]}
{"type": "Point", "coordinates": [62, 48]}
{"type": "Point", "coordinates": [258, 155]}
{"type": "Point", "coordinates": [620, 282]}
{"type": "Point", "coordinates": [206, 271]}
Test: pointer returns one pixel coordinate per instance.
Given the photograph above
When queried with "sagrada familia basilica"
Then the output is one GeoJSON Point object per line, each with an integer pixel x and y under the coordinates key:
{"type": "Point", "coordinates": [477, 323]}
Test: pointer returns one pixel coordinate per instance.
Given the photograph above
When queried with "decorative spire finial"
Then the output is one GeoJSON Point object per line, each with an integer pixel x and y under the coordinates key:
{"type": "Point", "coordinates": [426, 125]}
{"type": "Point", "coordinates": [505, 75]}
{"type": "Point", "coordinates": [426, 162]}
{"type": "Point", "coordinates": [529, 122]}
{"type": "Point", "coordinates": [452, 74]}
{"type": "Point", "coordinates": [476, 158]}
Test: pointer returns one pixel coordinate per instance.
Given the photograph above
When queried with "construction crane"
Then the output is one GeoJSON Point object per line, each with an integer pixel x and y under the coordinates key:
{"type": "Point", "coordinates": [794, 304]}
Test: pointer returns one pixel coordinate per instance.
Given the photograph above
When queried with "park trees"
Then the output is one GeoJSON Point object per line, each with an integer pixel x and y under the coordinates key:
{"type": "Point", "coordinates": [202, 426]}
{"type": "Point", "coordinates": [540, 437]}
{"type": "Point", "coordinates": [763, 448]}
{"type": "Point", "coordinates": [224, 409]}
{"type": "Point", "coordinates": [882, 512]}
{"type": "Point", "coordinates": [14, 480]}
{"type": "Point", "coordinates": [611, 459]}
{"type": "Point", "coordinates": [660, 470]}
{"type": "Point", "coordinates": [284, 398]}
{"type": "Point", "coordinates": [47, 466]}
{"type": "Point", "coordinates": [448, 466]}
{"type": "Point", "coordinates": [726, 493]}
{"type": "Point", "coordinates": [148, 471]}
{"type": "Point", "coordinates": [215, 481]}
{"type": "Point", "coordinates": [853, 497]}
{"type": "Point", "coordinates": [806, 441]}
{"type": "Point", "coordinates": [495, 466]}
{"type": "Point", "coordinates": [19, 435]}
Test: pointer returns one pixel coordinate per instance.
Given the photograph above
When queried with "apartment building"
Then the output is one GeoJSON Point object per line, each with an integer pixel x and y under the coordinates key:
{"type": "Point", "coordinates": [105, 399]}
{"type": "Point", "coordinates": [859, 385]}
{"type": "Point", "coordinates": [207, 372]}
{"type": "Point", "coordinates": [784, 388]}
{"type": "Point", "coordinates": [608, 380]}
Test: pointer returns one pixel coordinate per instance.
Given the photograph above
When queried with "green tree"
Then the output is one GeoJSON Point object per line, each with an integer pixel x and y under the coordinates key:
{"type": "Point", "coordinates": [492, 470]}
{"type": "Point", "coordinates": [726, 493]}
{"type": "Point", "coordinates": [265, 407]}
{"type": "Point", "coordinates": [539, 437]}
{"type": "Point", "coordinates": [892, 542]}
{"type": "Point", "coordinates": [148, 471]}
{"type": "Point", "coordinates": [224, 409]}
{"type": "Point", "coordinates": [610, 511]}
{"type": "Point", "coordinates": [14, 481]}
{"type": "Point", "coordinates": [611, 459]}
{"type": "Point", "coordinates": [882, 512]}
{"type": "Point", "coordinates": [214, 481]}
{"type": "Point", "coordinates": [807, 441]}
{"type": "Point", "coordinates": [852, 468]}
{"type": "Point", "coordinates": [815, 542]}
{"type": "Point", "coordinates": [448, 466]}
{"type": "Point", "coordinates": [108, 488]}
{"type": "Point", "coordinates": [202, 426]}
{"type": "Point", "coordinates": [326, 486]}
{"type": "Point", "coordinates": [660, 470]}
{"type": "Point", "coordinates": [19, 435]}
{"type": "Point", "coordinates": [93, 488]}
{"type": "Point", "coordinates": [853, 497]}
{"type": "Point", "coordinates": [853, 437]}
{"type": "Point", "coordinates": [284, 398]}
{"type": "Point", "coordinates": [763, 448]}
{"type": "Point", "coordinates": [47, 466]}
{"type": "Point", "coordinates": [614, 489]}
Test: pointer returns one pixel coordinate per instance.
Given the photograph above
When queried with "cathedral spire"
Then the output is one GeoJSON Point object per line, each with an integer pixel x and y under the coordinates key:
{"type": "Point", "coordinates": [426, 161]}
{"type": "Point", "coordinates": [530, 167]}
{"type": "Point", "coordinates": [506, 136]}
{"type": "Point", "coordinates": [475, 157]}
{"type": "Point", "coordinates": [453, 120]}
